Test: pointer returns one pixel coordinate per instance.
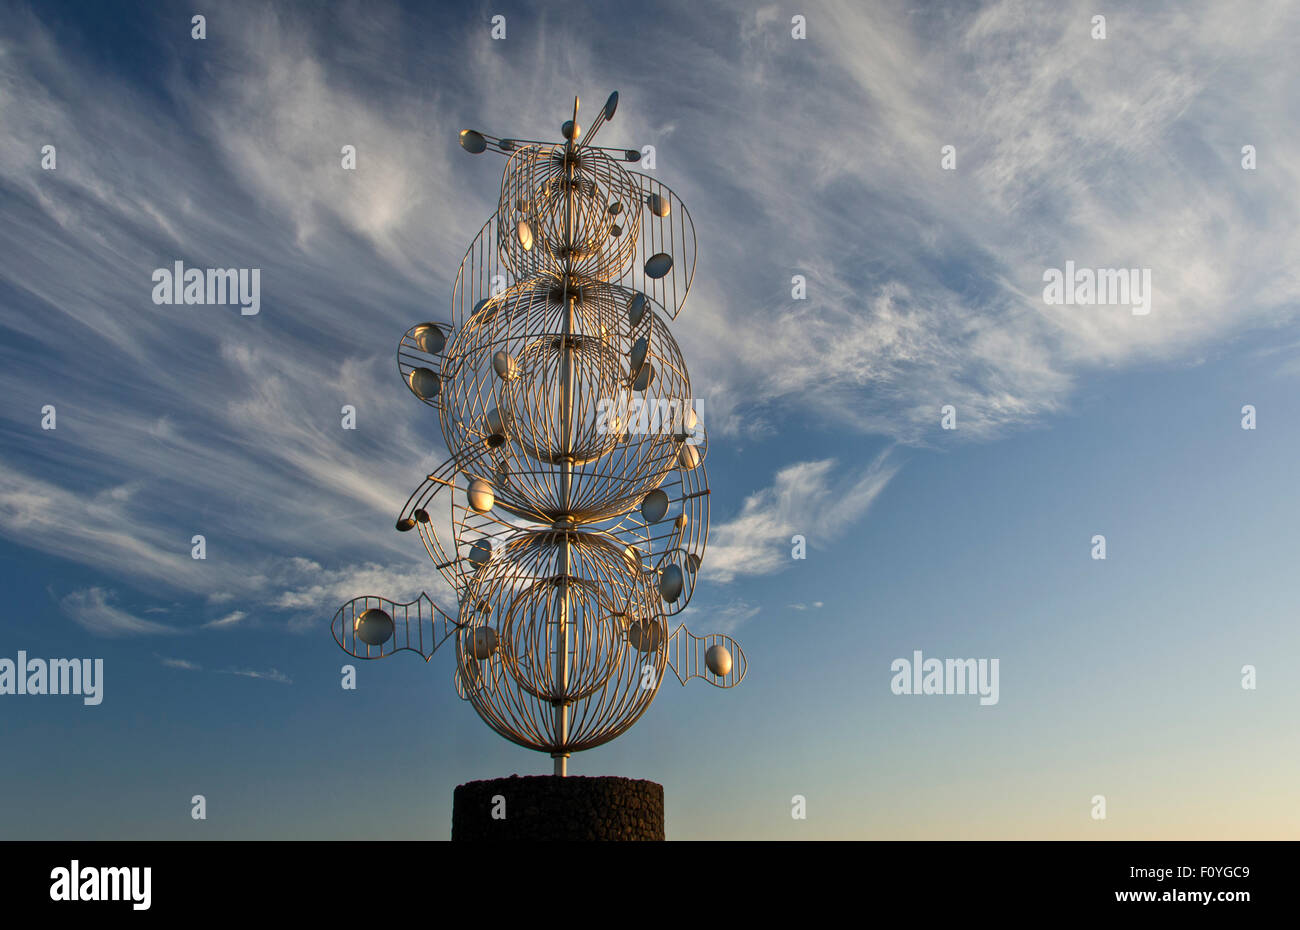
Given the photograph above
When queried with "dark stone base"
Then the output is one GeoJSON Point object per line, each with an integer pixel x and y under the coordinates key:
{"type": "Point", "coordinates": [546, 807]}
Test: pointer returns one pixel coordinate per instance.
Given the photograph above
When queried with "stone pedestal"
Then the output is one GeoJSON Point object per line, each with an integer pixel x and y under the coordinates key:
{"type": "Point", "coordinates": [547, 807]}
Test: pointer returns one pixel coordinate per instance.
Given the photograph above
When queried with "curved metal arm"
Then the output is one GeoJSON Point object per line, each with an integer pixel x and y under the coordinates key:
{"type": "Point", "coordinates": [669, 229]}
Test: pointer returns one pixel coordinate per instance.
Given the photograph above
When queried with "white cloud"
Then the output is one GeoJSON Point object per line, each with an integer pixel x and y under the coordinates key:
{"type": "Point", "coordinates": [228, 620]}
{"type": "Point", "coordinates": [180, 663]}
{"type": "Point", "coordinates": [91, 609]}
{"type": "Point", "coordinates": [720, 618]}
{"type": "Point", "coordinates": [822, 158]}
{"type": "Point", "coordinates": [270, 674]}
{"type": "Point", "coordinates": [806, 498]}
{"type": "Point", "coordinates": [314, 593]}
{"type": "Point", "coordinates": [106, 532]}
{"type": "Point", "coordinates": [925, 285]}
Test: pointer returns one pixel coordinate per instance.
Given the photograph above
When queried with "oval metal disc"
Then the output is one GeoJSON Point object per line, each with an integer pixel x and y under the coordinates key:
{"type": "Point", "coordinates": [480, 553]}
{"type": "Point", "coordinates": [472, 141]}
{"type": "Point", "coordinates": [636, 309]}
{"type": "Point", "coordinates": [429, 338]}
{"type": "Point", "coordinates": [654, 505]}
{"type": "Point", "coordinates": [718, 659]}
{"type": "Point", "coordinates": [671, 583]}
{"type": "Point", "coordinates": [656, 266]}
{"type": "Point", "coordinates": [639, 350]}
{"type": "Point", "coordinates": [424, 383]}
{"type": "Point", "coordinates": [374, 627]}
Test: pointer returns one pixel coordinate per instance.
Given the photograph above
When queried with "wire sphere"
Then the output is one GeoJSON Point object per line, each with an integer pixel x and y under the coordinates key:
{"type": "Point", "coordinates": [554, 371]}
{"type": "Point", "coordinates": [532, 402]}
{"type": "Point", "coordinates": [560, 211]}
{"type": "Point", "coordinates": [609, 668]}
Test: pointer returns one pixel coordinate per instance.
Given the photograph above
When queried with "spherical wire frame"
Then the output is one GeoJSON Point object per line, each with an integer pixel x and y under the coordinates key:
{"type": "Point", "coordinates": [502, 387]}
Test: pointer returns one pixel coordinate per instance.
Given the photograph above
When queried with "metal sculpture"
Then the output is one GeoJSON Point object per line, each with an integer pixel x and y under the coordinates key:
{"type": "Point", "coordinates": [575, 491]}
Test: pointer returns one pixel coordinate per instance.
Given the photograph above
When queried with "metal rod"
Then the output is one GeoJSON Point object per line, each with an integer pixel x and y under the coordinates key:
{"type": "Point", "coordinates": [566, 467]}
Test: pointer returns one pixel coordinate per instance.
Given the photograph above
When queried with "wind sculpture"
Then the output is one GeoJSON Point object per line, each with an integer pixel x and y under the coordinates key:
{"type": "Point", "coordinates": [575, 491]}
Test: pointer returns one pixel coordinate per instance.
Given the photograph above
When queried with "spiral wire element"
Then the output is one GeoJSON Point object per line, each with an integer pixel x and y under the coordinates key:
{"type": "Point", "coordinates": [575, 492]}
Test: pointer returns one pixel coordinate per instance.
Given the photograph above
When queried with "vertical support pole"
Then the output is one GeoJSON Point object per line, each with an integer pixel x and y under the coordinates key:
{"type": "Point", "coordinates": [566, 481]}
{"type": "Point", "coordinates": [566, 465]}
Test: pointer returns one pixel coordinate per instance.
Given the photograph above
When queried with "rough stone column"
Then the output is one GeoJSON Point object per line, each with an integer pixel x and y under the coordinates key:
{"type": "Point", "coordinates": [546, 807]}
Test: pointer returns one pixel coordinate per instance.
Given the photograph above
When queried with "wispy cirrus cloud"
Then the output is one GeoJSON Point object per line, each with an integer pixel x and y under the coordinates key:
{"type": "Point", "coordinates": [229, 620]}
{"type": "Point", "coordinates": [724, 617]}
{"type": "Point", "coordinates": [812, 499]}
{"type": "Point", "coordinates": [312, 592]}
{"type": "Point", "coordinates": [236, 420]}
{"type": "Point", "coordinates": [270, 674]}
{"type": "Point", "coordinates": [91, 608]}
{"type": "Point", "coordinates": [924, 286]}
{"type": "Point", "coordinates": [184, 664]}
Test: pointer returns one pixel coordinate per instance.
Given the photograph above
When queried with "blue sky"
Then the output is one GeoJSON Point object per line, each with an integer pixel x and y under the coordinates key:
{"type": "Point", "coordinates": [819, 157]}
